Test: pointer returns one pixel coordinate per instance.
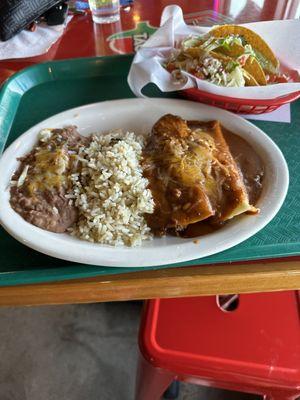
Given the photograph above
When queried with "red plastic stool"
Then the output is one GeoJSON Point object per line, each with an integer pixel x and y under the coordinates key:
{"type": "Point", "coordinates": [254, 349]}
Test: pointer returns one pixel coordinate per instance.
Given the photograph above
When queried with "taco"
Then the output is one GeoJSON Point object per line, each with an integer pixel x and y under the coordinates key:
{"type": "Point", "coordinates": [252, 43]}
{"type": "Point", "coordinates": [228, 55]}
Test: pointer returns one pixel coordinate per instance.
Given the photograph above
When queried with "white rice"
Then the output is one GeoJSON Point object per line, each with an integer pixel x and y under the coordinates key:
{"type": "Point", "coordinates": [111, 192]}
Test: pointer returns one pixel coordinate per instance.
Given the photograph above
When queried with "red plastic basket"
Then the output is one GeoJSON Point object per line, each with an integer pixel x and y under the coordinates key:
{"type": "Point", "coordinates": [245, 106]}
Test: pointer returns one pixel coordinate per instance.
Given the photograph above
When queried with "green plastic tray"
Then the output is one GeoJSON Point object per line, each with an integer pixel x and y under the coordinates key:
{"type": "Point", "coordinates": [46, 89]}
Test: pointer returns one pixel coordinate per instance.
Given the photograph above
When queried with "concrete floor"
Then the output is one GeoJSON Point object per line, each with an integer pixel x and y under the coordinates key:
{"type": "Point", "coordinates": [76, 352]}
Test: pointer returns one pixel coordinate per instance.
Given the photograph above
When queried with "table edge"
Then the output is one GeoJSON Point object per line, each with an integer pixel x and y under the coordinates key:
{"type": "Point", "coordinates": [163, 283]}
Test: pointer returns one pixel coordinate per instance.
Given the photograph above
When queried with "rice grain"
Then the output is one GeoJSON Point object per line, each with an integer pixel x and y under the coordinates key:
{"type": "Point", "coordinates": [110, 191]}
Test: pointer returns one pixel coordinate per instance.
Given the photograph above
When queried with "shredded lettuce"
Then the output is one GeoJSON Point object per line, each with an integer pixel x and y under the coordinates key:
{"type": "Point", "coordinates": [225, 43]}
{"type": "Point", "coordinates": [230, 40]}
{"type": "Point", "coordinates": [232, 65]}
{"type": "Point", "coordinates": [212, 46]}
{"type": "Point", "coordinates": [265, 63]}
{"type": "Point", "coordinates": [249, 50]}
{"type": "Point", "coordinates": [191, 41]}
{"type": "Point", "coordinates": [211, 43]}
{"type": "Point", "coordinates": [236, 78]}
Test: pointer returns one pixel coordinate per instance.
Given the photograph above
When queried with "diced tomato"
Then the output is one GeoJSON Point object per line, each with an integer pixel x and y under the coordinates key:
{"type": "Point", "coordinates": [171, 67]}
{"type": "Point", "coordinates": [242, 59]}
{"type": "Point", "coordinates": [273, 78]}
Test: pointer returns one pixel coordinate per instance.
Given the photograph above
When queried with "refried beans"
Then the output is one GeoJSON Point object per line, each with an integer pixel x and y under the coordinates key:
{"type": "Point", "coordinates": [39, 185]}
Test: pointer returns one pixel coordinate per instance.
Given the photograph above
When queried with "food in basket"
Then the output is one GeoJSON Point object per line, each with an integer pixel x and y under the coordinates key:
{"type": "Point", "coordinates": [185, 178]}
{"type": "Point", "coordinates": [228, 55]}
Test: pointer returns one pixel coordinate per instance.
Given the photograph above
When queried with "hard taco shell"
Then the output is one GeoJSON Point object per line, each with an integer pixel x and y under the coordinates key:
{"type": "Point", "coordinates": [249, 80]}
{"type": "Point", "coordinates": [253, 67]}
{"type": "Point", "coordinates": [195, 52]}
{"type": "Point", "coordinates": [221, 57]}
{"type": "Point", "coordinates": [235, 50]}
{"type": "Point", "coordinates": [251, 37]}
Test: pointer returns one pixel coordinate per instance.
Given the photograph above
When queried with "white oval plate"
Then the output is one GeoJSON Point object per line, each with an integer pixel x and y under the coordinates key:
{"type": "Point", "coordinates": [139, 115]}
